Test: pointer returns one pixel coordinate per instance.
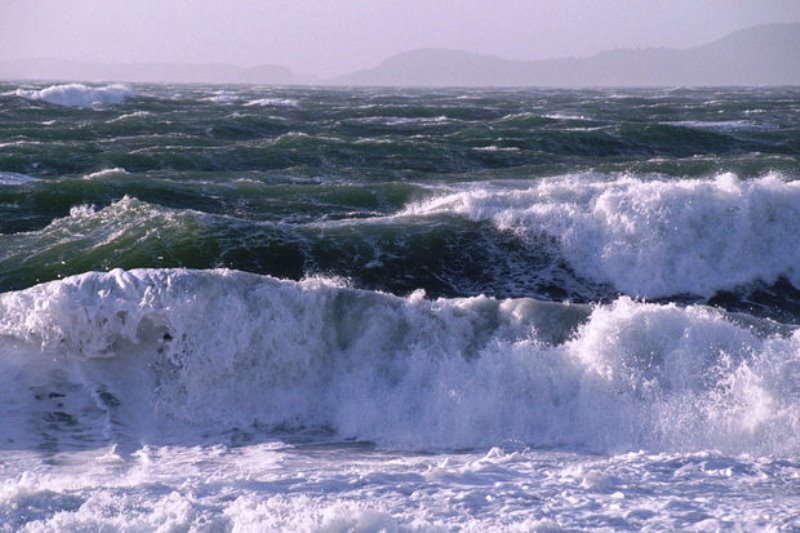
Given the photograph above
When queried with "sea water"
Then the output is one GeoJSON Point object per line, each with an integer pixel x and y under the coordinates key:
{"type": "Point", "coordinates": [252, 308]}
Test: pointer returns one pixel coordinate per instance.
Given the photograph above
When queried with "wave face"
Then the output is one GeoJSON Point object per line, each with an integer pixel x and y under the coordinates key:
{"type": "Point", "coordinates": [722, 240]}
{"type": "Point", "coordinates": [78, 95]}
{"type": "Point", "coordinates": [650, 238]}
{"type": "Point", "coordinates": [128, 355]}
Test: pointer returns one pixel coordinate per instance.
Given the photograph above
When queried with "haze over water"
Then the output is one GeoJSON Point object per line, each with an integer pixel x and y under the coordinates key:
{"type": "Point", "coordinates": [329, 39]}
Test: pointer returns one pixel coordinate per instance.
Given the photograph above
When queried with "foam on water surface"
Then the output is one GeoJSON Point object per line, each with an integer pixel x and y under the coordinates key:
{"type": "Point", "coordinates": [106, 172]}
{"type": "Point", "coordinates": [79, 95]}
{"type": "Point", "coordinates": [128, 354]}
{"type": "Point", "coordinates": [648, 237]}
{"type": "Point", "coordinates": [217, 400]}
{"type": "Point", "coordinates": [340, 487]}
{"type": "Point", "coordinates": [274, 102]}
{"type": "Point", "coordinates": [12, 178]}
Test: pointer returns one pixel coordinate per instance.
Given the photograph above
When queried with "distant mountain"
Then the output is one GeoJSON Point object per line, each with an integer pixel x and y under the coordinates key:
{"type": "Point", "coordinates": [761, 55]}
{"type": "Point", "coordinates": [54, 69]}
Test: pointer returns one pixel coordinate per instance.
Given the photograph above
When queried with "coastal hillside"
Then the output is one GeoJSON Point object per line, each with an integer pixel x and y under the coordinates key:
{"type": "Point", "coordinates": [761, 55]}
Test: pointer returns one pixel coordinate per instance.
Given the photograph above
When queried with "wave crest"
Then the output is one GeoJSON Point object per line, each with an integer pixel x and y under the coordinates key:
{"type": "Point", "coordinates": [650, 238]}
{"type": "Point", "coordinates": [219, 350]}
{"type": "Point", "coordinates": [79, 95]}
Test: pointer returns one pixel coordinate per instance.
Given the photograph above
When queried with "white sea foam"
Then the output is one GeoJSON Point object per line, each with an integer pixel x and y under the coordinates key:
{"type": "Point", "coordinates": [274, 102]}
{"type": "Point", "coordinates": [12, 178]}
{"type": "Point", "coordinates": [649, 237]}
{"type": "Point", "coordinates": [565, 116]}
{"type": "Point", "coordinates": [78, 95]}
{"type": "Point", "coordinates": [82, 211]}
{"type": "Point", "coordinates": [495, 148]}
{"type": "Point", "coordinates": [517, 116]}
{"type": "Point", "coordinates": [105, 172]}
{"type": "Point", "coordinates": [722, 125]}
{"type": "Point", "coordinates": [219, 350]}
{"type": "Point", "coordinates": [280, 487]}
{"type": "Point", "coordinates": [394, 121]}
{"type": "Point", "coordinates": [126, 116]}
{"type": "Point", "coordinates": [223, 97]}
{"type": "Point", "coordinates": [128, 388]}
{"type": "Point", "coordinates": [24, 142]}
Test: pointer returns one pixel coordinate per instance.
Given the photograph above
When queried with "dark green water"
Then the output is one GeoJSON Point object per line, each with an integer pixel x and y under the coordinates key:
{"type": "Point", "coordinates": [222, 399]}
{"type": "Point", "coordinates": [296, 182]}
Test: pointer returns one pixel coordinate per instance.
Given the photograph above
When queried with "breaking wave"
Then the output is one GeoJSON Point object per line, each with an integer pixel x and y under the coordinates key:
{"type": "Point", "coordinates": [649, 237]}
{"type": "Point", "coordinates": [274, 102]}
{"type": "Point", "coordinates": [79, 95]}
{"type": "Point", "coordinates": [147, 353]}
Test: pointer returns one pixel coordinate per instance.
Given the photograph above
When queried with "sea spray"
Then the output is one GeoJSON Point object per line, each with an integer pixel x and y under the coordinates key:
{"type": "Point", "coordinates": [649, 237]}
{"type": "Point", "coordinates": [225, 350]}
{"type": "Point", "coordinates": [79, 95]}
{"type": "Point", "coordinates": [443, 325]}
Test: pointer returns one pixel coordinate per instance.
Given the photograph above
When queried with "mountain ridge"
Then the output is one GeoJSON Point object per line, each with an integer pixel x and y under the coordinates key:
{"type": "Point", "coordinates": [758, 55]}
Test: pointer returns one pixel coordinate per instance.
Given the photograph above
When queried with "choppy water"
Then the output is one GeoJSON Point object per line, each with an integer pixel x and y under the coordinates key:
{"type": "Point", "coordinates": [255, 308]}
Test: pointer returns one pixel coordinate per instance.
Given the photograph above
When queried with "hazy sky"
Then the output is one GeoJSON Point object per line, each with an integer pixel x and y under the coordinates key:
{"type": "Point", "coordinates": [327, 37]}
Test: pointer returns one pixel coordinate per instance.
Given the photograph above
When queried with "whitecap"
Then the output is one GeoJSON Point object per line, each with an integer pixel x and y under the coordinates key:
{"type": "Point", "coordinates": [126, 116]}
{"type": "Point", "coordinates": [274, 102]}
{"type": "Point", "coordinates": [78, 95]}
{"type": "Point", "coordinates": [223, 97]}
{"type": "Point", "coordinates": [394, 121]}
{"type": "Point", "coordinates": [565, 116]}
{"type": "Point", "coordinates": [495, 148]}
{"type": "Point", "coordinates": [723, 125]}
{"type": "Point", "coordinates": [23, 142]}
{"type": "Point", "coordinates": [105, 172]}
{"type": "Point", "coordinates": [649, 237]}
{"type": "Point", "coordinates": [13, 178]}
{"type": "Point", "coordinates": [215, 350]}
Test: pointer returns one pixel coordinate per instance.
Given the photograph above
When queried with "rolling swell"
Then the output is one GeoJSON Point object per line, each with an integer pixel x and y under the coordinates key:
{"type": "Point", "coordinates": [158, 355]}
{"type": "Point", "coordinates": [30, 205]}
{"type": "Point", "coordinates": [492, 202]}
{"type": "Point", "coordinates": [388, 133]}
{"type": "Point", "coordinates": [451, 332]}
{"type": "Point", "coordinates": [583, 237]}
{"type": "Point", "coordinates": [442, 255]}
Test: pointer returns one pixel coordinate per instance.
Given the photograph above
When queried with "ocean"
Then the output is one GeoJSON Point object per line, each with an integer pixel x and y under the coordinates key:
{"type": "Point", "coordinates": [243, 308]}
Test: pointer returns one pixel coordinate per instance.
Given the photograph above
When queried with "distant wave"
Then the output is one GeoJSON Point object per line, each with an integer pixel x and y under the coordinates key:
{"type": "Point", "coordinates": [223, 97]}
{"type": "Point", "coordinates": [19, 143]}
{"type": "Point", "coordinates": [723, 125]}
{"type": "Point", "coordinates": [78, 95]}
{"type": "Point", "coordinates": [12, 178]}
{"type": "Point", "coordinates": [105, 172]}
{"type": "Point", "coordinates": [274, 102]}
{"type": "Point", "coordinates": [565, 116]}
{"type": "Point", "coordinates": [126, 116]}
{"type": "Point", "coordinates": [649, 237]}
{"type": "Point", "coordinates": [126, 353]}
